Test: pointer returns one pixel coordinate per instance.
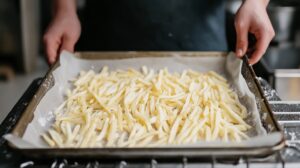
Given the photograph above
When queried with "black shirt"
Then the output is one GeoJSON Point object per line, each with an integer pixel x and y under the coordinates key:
{"type": "Point", "coordinates": [154, 25]}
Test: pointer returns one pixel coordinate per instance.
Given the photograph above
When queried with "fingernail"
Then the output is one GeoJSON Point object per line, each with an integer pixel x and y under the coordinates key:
{"type": "Point", "coordinates": [51, 61]}
{"type": "Point", "coordinates": [239, 52]}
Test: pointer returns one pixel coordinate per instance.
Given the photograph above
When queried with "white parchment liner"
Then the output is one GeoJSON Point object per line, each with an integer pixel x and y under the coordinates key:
{"type": "Point", "coordinates": [70, 66]}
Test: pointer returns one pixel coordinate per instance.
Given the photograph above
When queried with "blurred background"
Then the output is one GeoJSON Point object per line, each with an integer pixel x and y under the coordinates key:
{"type": "Point", "coordinates": [23, 22]}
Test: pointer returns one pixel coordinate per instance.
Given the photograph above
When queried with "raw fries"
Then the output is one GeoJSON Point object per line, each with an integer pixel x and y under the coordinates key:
{"type": "Point", "coordinates": [129, 108]}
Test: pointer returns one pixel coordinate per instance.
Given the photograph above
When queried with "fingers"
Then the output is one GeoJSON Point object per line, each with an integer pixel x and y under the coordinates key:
{"type": "Point", "coordinates": [262, 43]}
{"type": "Point", "coordinates": [51, 47]}
{"type": "Point", "coordinates": [68, 43]}
{"type": "Point", "coordinates": [241, 38]}
{"type": "Point", "coordinates": [55, 44]}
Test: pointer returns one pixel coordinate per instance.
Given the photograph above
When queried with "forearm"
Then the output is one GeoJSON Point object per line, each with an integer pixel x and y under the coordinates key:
{"type": "Point", "coordinates": [64, 6]}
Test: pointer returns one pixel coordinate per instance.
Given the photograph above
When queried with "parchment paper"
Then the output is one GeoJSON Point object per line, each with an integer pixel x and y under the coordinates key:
{"type": "Point", "coordinates": [70, 66]}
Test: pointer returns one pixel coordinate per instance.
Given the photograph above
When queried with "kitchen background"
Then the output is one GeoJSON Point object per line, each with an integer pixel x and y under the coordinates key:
{"type": "Point", "coordinates": [22, 23]}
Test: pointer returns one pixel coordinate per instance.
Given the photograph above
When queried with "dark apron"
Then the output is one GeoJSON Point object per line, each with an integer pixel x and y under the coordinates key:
{"type": "Point", "coordinates": [154, 25]}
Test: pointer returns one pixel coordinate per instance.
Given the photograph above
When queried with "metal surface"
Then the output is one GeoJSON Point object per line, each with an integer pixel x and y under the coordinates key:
{"type": "Point", "coordinates": [288, 84]}
{"type": "Point", "coordinates": [268, 121]}
{"type": "Point", "coordinates": [283, 74]}
{"type": "Point", "coordinates": [282, 19]}
{"type": "Point", "coordinates": [282, 58]}
{"type": "Point", "coordinates": [289, 157]}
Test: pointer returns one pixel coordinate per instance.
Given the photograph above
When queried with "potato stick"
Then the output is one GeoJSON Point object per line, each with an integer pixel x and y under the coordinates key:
{"type": "Point", "coordinates": [103, 131]}
{"type": "Point", "coordinates": [192, 134]}
{"type": "Point", "coordinates": [63, 129]}
{"type": "Point", "coordinates": [141, 137]}
{"type": "Point", "coordinates": [185, 132]}
{"type": "Point", "coordinates": [150, 75]}
{"type": "Point", "coordinates": [112, 89]}
{"type": "Point", "coordinates": [137, 136]}
{"type": "Point", "coordinates": [73, 120]}
{"type": "Point", "coordinates": [194, 115]}
{"type": "Point", "coordinates": [161, 133]}
{"type": "Point", "coordinates": [129, 118]}
{"type": "Point", "coordinates": [153, 119]}
{"type": "Point", "coordinates": [121, 140]}
{"type": "Point", "coordinates": [242, 108]}
{"type": "Point", "coordinates": [144, 70]}
{"type": "Point", "coordinates": [84, 78]}
{"type": "Point", "coordinates": [133, 132]}
{"type": "Point", "coordinates": [241, 127]}
{"type": "Point", "coordinates": [136, 101]}
{"type": "Point", "coordinates": [120, 119]}
{"type": "Point", "coordinates": [165, 126]}
{"type": "Point", "coordinates": [182, 131]}
{"type": "Point", "coordinates": [237, 118]}
{"type": "Point", "coordinates": [194, 131]}
{"type": "Point", "coordinates": [99, 101]}
{"type": "Point", "coordinates": [206, 111]}
{"type": "Point", "coordinates": [73, 134]}
{"type": "Point", "coordinates": [177, 96]}
{"type": "Point", "coordinates": [48, 140]}
{"type": "Point", "coordinates": [195, 99]}
{"type": "Point", "coordinates": [236, 137]}
{"type": "Point", "coordinates": [238, 132]}
{"type": "Point", "coordinates": [140, 118]}
{"type": "Point", "coordinates": [243, 135]}
{"type": "Point", "coordinates": [225, 135]}
{"type": "Point", "coordinates": [92, 141]}
{"type": "Point", "coordinates": [161, 141]}
{"type": "Point", "coordinates": [56, 138]}
{"type": "Point", "coordinates": [141, 131]}
{"type": "Point", "coordinates": [116, 98]}
{"type": "Point", "coordinates": [212, 117]}
{"type": "Point", "coordinates": [174, 130]}
{"type": "Point", "coordinates": [162, 114]}
{"type": "Point", "coordinates": [79, 139]}
{"type": "Point", "coordinates": [68, 132]}
{"type": "Point", "coordinates": [217, 76]}
{"type": "Point", "coordinates": [88, 135]}
{"type": "Point", "coordinates": [207, 133]}
{"type": "Point", "coordinates": [58, 110]}
{"type": "Point", "coordinates": [145, 141]}
{"type": "Point", "coordinates": [87, 118]}
{"type": "Point", "coordinates": [147, 110]}
{"type": "Point", "coordinates": [152, 105]}
{"type": "Point", "coordinates": [217, 125]}
{"type": "Point", "coordinates": [185, 106]}
{"type": "Point", "coordinates": [112, 131]}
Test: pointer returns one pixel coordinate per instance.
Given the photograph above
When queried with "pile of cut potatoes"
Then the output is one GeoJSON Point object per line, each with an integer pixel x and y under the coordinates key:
{"type": "Point", "coordinates": [147, 108]}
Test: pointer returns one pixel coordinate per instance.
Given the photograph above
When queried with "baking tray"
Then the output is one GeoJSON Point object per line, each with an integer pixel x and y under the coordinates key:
{"type": "Point", "coordinates": [268, 121]}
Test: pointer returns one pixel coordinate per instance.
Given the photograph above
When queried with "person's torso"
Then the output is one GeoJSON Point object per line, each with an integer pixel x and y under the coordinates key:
{"type": "Point", "coordinates": [155, 25]}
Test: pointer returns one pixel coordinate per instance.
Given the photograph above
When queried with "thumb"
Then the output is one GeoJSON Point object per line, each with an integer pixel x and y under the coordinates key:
{"type": "Point", "coordinates": [241, 39]}
{"type": "Point", "coordinates": [51, 47]}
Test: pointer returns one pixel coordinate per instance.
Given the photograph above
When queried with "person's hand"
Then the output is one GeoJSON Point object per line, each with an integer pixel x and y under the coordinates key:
{"type": "Point", "coordinates": [62, 34]}
{"type": "Point", "coordinates": [252, 18]}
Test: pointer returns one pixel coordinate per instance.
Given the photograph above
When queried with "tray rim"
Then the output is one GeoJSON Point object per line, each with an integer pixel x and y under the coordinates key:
{"type": "Point", "coordinates": [20, 127]}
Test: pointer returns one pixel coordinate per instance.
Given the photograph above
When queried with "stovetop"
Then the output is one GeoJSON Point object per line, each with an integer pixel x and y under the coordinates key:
{"type": "Point", "coordinates": [287, 113]}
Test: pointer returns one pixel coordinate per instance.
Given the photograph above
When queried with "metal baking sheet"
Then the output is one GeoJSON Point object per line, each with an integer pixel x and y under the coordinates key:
{"type": "Point", "coordinates": [267, 118]}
